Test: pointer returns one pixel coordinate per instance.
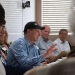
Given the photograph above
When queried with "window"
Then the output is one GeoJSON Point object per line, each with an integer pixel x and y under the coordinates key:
{"type": "Point", "coordinates": [13, 16]}
{"type": "Point", "coordinates": [55, 14]}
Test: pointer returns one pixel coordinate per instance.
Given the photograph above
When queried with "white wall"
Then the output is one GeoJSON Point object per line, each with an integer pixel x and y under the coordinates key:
{"type": "Point", "coordinates": [29, 12]}
{"type": "Point", "coordinates": [15, 24]}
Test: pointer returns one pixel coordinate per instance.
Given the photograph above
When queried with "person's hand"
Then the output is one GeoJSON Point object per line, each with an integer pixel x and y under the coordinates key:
{"type": "Point", "coordinates": [44, 63]}
{"type": "Point", "coordinates": [50, 59]}
{"type": "Point", "coordinates": [49, 51]}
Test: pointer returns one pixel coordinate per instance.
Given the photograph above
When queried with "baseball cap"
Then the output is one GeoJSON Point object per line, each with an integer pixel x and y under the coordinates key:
{"type": "Point", "coordinates": [32, 25]}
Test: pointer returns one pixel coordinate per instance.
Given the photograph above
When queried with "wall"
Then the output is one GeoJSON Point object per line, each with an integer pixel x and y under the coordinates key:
{"type": "Point", "coordinates": [16, 17]}
{"type": "Point", "coordinates": [38, 19]}
{"type": "Point", "coordinates": [38, 11]}
{"type": "Point", "coordinates": [29, 12]}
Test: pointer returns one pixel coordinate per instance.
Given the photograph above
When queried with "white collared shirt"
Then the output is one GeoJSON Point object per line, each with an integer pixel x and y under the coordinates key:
{"type": "Point", "coordinates": [62, 46]}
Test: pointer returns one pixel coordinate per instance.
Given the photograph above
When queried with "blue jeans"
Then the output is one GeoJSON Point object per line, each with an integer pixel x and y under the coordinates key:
{"type": "Point", "coordinates": [11, 70]}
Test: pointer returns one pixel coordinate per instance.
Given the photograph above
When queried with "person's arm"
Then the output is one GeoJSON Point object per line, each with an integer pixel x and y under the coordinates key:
{"type": "Point", "coordinates": [49, 51]}
{"type": "Point", "coordinates": [3, 54]}
{"type": "Point", "coordinates": [20, 53]}
{"type": "Point", "coordinates": [52, 56]}
{"type": "Point", "coordinates": [58, 49]}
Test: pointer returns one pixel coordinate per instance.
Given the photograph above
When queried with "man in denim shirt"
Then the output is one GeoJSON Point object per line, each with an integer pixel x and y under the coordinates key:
{"type": "Point", "coordinates": [23, 51]}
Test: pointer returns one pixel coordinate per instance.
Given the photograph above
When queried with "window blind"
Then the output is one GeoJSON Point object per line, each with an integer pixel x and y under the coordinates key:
{"type": "Point", "coordinates": [55, 14]}
{"type": "Point", "coordinates": [13, 16]}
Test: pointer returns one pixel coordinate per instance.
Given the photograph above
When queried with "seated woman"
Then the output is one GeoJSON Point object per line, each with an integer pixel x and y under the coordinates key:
{"type": "Point", "coordinates": [3, 45]}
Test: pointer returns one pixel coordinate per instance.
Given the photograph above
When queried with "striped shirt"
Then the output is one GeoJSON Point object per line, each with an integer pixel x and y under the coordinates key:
{"type": "Point", "coordinates": [22, 53]}
{"type": "Point", "coordinates": [43, 45]}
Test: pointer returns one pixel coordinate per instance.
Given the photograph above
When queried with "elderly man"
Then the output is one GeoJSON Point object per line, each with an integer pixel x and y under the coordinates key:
{"type": "Point", "coordinates": [23, 51]}
{"type": "Point", "coordinates": [44, 42]}
{"type": "Point", "coordinates": [62, 43]}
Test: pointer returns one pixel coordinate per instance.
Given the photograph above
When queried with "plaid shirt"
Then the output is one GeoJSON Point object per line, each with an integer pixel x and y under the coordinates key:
{"type": "Point", "coordinates": [22, 53]}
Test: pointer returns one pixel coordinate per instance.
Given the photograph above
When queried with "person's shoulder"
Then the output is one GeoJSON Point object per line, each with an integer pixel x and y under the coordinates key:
{"type": "Point", "coordinates": [50, 40]}
{"type": "Point", "coordinates": [56, 41]}
{"type": "Point", "coordinates": [19, 41]}
{"type": "Point", "coordinates": [40, 38]}
{"type": "Point", "coordinates": [66, 42]}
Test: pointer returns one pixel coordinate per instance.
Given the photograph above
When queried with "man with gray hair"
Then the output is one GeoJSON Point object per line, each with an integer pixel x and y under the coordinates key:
{"type": "Point", "coordinates": [62, 43]}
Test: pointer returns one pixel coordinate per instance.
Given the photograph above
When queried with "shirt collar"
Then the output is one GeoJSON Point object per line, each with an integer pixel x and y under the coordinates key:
{"type": "Point", "coordinates": [43, 39]}
{"type": "Point", "coordinates": [61, 41]}
{"type": "Point", "coordinates": [27, 42]}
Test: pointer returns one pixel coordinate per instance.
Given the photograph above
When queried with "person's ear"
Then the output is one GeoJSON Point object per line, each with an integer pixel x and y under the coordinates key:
{"type": "Point", "coordinates": [29, 31]}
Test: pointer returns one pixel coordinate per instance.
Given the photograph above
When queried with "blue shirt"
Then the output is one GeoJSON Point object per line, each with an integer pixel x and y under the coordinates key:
{"type": "Point", "coordinates": [43, 45]}
{"type": "Point", "coordinates": [22, 53]}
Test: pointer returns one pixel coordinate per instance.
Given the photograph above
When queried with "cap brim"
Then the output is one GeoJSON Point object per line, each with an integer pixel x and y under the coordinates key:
{"type": "Point", "coordinates": [41, 28]}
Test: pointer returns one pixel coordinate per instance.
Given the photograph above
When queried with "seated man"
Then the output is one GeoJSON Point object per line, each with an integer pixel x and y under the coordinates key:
{"type": "Point", "coordinates": [43, 43]}
{"type": "Point", "coordinates": [62, 43]}
{"type": "Point", "coordinates": [23, 51]}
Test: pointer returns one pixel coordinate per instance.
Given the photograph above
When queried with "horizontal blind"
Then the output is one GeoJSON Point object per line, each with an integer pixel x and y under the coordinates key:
{"type": "Point", "coordinates": [55, 14]}
{"type": "Point", "coordinates": [13, 16]}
